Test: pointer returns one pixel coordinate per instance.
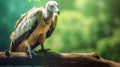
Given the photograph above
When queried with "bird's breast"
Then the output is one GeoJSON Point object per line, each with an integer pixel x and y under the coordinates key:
{"type": "Point", "coordinates": [41, 28]}
{"type": "Point", "coordinates": [39, 32]}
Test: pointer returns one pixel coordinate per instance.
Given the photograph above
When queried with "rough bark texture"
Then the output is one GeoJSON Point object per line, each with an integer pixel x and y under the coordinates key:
{"type": "Point", "coordinates": [51, 59]}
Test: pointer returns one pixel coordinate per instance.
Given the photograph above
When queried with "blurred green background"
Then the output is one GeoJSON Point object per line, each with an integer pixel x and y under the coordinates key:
{"type": "Point", "coordinates": [83, 25]}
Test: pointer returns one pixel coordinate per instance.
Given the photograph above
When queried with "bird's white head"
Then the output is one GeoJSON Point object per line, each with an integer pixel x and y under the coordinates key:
{"type": "Point", "coordinates": [52, 6]}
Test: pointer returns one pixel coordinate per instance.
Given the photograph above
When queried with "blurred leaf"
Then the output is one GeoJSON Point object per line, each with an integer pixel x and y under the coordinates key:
{"type": "Point", "coordinates": [38, 1]}
{"type": "Point", "coordinates": [29, 0]}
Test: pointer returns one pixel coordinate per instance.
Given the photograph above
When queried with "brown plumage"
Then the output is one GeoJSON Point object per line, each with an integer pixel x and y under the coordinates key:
{"type": "Point", "coordinates": [34, 27]}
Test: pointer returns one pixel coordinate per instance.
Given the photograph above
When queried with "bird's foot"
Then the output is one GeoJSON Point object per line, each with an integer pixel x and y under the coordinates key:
{"type": "Point", "coordinates": [30, 52]}
{"type": "Point", "coordinates": [44, 50]}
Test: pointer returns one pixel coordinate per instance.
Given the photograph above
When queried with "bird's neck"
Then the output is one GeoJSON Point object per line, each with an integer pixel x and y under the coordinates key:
{"type": "Point", "coordinates": [48, 15]}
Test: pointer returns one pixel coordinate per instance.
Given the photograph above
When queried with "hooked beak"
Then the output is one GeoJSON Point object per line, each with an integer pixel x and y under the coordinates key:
{"type": "Point", "coordinates": [57, 11]}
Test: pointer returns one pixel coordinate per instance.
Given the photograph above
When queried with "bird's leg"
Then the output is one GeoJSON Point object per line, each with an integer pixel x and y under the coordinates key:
{"type": "Point", "coordinates": [42, 38]}
{"type": "Point", "coordinates": [43, 49]}
{"type": "Point", "coordinates": [30, 51]}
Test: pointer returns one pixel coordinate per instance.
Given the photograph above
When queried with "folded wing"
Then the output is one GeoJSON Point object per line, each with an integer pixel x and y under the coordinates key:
{"type": "Point", "coordinates": [25, 26]}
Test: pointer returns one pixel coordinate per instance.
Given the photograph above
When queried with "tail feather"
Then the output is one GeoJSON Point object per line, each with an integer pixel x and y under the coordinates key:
{"type": "Point", "coordinates": [13, 46]}
{"type": "Point", "coordinates": [10, 49]}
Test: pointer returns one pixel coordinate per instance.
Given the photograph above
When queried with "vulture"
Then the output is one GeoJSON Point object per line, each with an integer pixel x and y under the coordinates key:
{"type": "Point", "coordinates": [34, 27]}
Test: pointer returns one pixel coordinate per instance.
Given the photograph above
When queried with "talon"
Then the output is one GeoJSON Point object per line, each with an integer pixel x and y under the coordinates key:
{"type": "Point", "coordinates": [34, 53]}
{"type": "Point", "coordinates": [30, 52]}
{"type": "Point", "coordinates": [44, 50]}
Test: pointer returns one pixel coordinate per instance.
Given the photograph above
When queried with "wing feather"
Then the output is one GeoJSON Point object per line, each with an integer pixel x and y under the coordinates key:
{"type": "Point", "coordinates": [27, 22]}
{"type": "Point", "coordinates": [25, 26]}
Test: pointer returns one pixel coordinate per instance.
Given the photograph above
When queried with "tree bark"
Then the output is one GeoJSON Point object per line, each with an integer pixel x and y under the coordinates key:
{"type": "Point", "coordinates": [51, 59]}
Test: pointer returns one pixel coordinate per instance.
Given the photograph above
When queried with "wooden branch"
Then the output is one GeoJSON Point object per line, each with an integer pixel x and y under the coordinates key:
{"type": "Point", "coordinates": [51, 59]}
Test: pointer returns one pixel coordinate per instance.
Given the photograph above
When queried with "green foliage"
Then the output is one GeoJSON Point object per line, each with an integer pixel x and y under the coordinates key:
{"type": "Point", "coordinates": [29, 0]}
{"type": "Point", "coordinates": [35, 1]}
{"type": "Point", "coordinates": [83, 25]}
